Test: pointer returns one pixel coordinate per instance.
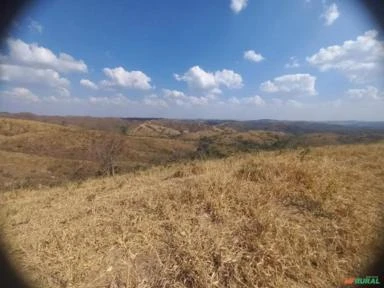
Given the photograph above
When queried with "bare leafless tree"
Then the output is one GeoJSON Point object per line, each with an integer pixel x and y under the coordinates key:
{"type": "Point", "coordinates": [106, 150]}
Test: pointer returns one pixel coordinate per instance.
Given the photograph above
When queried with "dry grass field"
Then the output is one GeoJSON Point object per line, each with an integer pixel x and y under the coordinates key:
{"type": "Point", "coordinates": [37, 154]}
{"type": "Point", "coordinates": [293, 218]}
{"type": "Point", "coordinates": [42, 154]}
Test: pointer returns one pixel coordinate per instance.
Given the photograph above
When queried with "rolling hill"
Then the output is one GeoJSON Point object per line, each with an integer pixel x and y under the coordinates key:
{"type": "Point", "coordinates": [39, 153]}
{"type": "Point", "coordinates": [51, 150]}
{"type": "Point", "coordinates": [36, 153]}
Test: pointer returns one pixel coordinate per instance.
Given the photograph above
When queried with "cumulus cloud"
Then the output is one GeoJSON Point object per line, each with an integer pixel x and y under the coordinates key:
{"type": "Point", "coordinates": [181, 99]}
{"type": "Point", "coordinates": [28, 75]}
{"type": "Point", "coordinates": [89, 84]}
{"type": "Point", "coordinates": [238, 5]}
{"type": "Point", "coordinates": [197, 78]}
{"type": "Point", "coordinates": [358, 59]}
{"type": "Point", "coordinates": [173, 94]}
{"type": "Point", "coordinates": [252, 56]}
{"type": "Point", "coordinates": [367, 93]}
{"type": "Point", "coordinates": [20, 94]}
{"type": "Point", "coordinates": [253, 100]}
{"type": "Point", "coordinates": [37, 67]}
{"type": "Point", "coordinates": [330, 14]}
{"type": "Point", "coordinates": [291, 84]}
{"type": "Point", "coordinates": [118, 99]}
{"type": "Point", "coordinates": [229, 79]}
{"type": "Point", "coordinates": [154, 100]}
{"type": "Point", "coordinates": [33, 55]}
{"type": "Point", "coordinates": [277, 102]}
{"type": "Point", "coordinates": [292, 63]}
{"type": "Point", "coordinates": [63, 92]}
{"type": "Point", "coordinates": [119, 77]}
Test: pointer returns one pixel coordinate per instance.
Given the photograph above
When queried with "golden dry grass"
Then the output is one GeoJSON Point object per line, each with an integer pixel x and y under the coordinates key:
{"type": "Point", "coordinates": [153, 130]}
{"type": "Point", "coordinates": [272, 219]}
{"type": "Point", "coordinates": [41, 154]}
{"type": "Point", "coordinates": [20, 170]}
{"type": "Point", "coordinates": [68, 142]}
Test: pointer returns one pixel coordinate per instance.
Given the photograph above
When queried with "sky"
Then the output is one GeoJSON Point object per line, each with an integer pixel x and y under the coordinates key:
{"type": "Point", "coordinates": [218, 59]}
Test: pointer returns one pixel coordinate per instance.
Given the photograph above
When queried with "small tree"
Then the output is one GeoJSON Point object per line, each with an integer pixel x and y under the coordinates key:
{"type": "Point", "coordinates": [207, 149]}
{"type": "Point", "coordinates": [123, 129]}
{"type": "Point", "coordinates": [106, 152]}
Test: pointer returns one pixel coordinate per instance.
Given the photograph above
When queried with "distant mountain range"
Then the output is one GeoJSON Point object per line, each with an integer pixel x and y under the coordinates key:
{"type": "Point", "coordinates": [294, 127]}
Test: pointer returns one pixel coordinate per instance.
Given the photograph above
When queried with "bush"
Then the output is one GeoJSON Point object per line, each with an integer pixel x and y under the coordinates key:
{"type": "Point", "coordinates": [206, 149]}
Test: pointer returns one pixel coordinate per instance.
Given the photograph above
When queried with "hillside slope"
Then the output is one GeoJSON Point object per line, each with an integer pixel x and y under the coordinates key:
{"type": "Point", "coordinates": [36, 153]}
{"type": "Point", "coordinates": [110, 124]}
{"type": "Point", "coordinates": [306, 218]}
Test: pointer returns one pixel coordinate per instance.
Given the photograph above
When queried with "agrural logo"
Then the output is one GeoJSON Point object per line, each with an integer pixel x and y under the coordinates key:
{"type": "Point", "coordinates": [368, 280]}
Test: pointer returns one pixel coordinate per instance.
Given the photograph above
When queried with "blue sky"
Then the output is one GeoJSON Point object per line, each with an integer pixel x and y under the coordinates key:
{"type": "Point", "coordinates": [233, 59]}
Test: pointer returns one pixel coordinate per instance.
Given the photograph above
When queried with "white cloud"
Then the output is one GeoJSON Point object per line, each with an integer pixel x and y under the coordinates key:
{"type": "Point", "coordinates": [197, 78]}
{"type": "Point", "coordinates": [181, 99]}
{"type": "Point", "coordinates": [269, 87]}
{"type": "Point", "coordinates": [99, 100]}
{"type": "Point", "coordinates": [215, 91]}
{"type": "Point", "coordinates": [35, 56]}
{"type": "Point", "coordinates": [229, 79]}
{"type": "Point", "coordinates": [118, 99]}
{"type": "Point", "coordinates": [63, 92]}
{"type": "Point", "coordinates": [173, 94]}
{"type": "Point", "coordinates": [238, 5]}
{"type": "Point", "coordinates": [234, 100]}
{"type": "Point", "coordinates": [359, 59]}
{"type": "Point", "coordinates": [367, 93]}
{"type": "Point", "coordinates": [25, 95]}
{"type": "Point", "coordinates": [88, 83]}
{"type": "Point", "coordinates": [194, 100]}
{"type": "Point", "coordinates": [292, 63]}
{"type": "Point", "coordinates": [60, 99]}
{"type": "Point", "coordinates": [277, 102]}
{"type": "Point", "coordinates": [177, 97]}
{"type": "Point", "coordinates": [251, 55]}
{"type": "Point", "coordinates": [291, 84]}
{"type": "Point", "coordinates": [36, 67]}
{"type": "Point", "coordinates": [330, 14]}
{"type": "Point", "coordinates": [253, 100]}
{"type": "Point", "coordinates": [120, 77]}
{"type": "Point", "coordinates": [29, 75]}
{"type": "Point", "coordinates": [20, 94]}
{"type": "Point", "coordinates": [154, 100]}
{"type": "Point", "coordinates": [35, 26]}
